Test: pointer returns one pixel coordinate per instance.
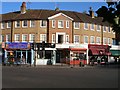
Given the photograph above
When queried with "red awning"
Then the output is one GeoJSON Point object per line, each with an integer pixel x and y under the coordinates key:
{"type": "Point", "coordinates": [77, 49]}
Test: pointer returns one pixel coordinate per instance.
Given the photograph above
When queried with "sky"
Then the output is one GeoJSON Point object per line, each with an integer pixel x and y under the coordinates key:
{"type": "Point", "coordinates": [7, 7]}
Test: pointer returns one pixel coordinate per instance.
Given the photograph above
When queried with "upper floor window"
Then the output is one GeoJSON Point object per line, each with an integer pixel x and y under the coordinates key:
{"type": "Point", "coordinates": [85, 25]}
{"type": "Point", "coordinates": [92, 39]}
{"type": "Point", "coordinates": [53, 23]}
{"type": "Point", "coordinates": [17, 37]}
{"type": "Point", "coordinates": [104, 28]}
{"type": "Point", "coordinates": [67, 38]}
{"type": "Point", "coordinates": [31, 37]}
{"type": "Point", "coordinates": [60, 24]}
{"type": "Point", "coordinates": [98, 27]}
{"type": "Point", "coordinates": [76, 25]}
{"type": "Point", "coordinates": [8, 38]}
{"type": "Point", "coordinates": [76, 38]}
{"type": "Point", "coordinates": [43, 37]}
{"type": "Point", "coordinates": [24, 23]}
{"type": "Point", "coordinates": [85, 39]}
{"type": "Point", "coordinates": [105, 40]}
{"type": "Point", "coordinates": [67, 24]}
{"type": "Point", "coordinates": [32, 23]}
{"type": "Point", "coordinates": [43, 23]}
{"type": "Point", "coordinates": [17, 24]}
{"type": "Point", "coordinates": [24, 37]}
{"type": "Point", "coordinates": [109, 41]}
{"type": "Point", "coordinates": [3, 38]}
{"type": "Point", "coordinates": [3, 25]}
{"type": "Point", "coordinates": [8, 24]}
{"type": "Point", "coordinates": [53, 38]}
{"type": "Point", "coordinates": [92, 27]}
{"type": "Point", "coordinates": [109, 29]}
{"type": "Point", "coordinates": [98, 40]}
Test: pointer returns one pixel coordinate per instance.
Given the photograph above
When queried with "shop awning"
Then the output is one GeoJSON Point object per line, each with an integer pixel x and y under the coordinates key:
{"type": "Point", "coordinates": [115, 52]}
{"type": "Point", "coordinates": [77, 49]}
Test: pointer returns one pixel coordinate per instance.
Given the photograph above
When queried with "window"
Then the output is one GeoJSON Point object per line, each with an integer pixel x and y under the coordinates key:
{"type": "Point", "coordinates": [8, 24]}
{"type": "Point", "coordinates": [85, 25]}
{"type": "Point", "coordinates": [17, 37]}
{"type": "Point", "coordinates": [32, 37]}
{"type": "Point", "coordinates": [108, 40]}
{"type": "Point", "coordinates": [24, 37]}
{"type": "Point", "coordinates": [104, 28]}
{"type": "Point", "coordinates": [98, 40]}
{"type": "Point", "coordinates": [3, 38]}
{"type": "Point", "coordinates": [43, 23]}
{"type": "Point", "coordinates": [85, 39]}
{"type": "Point", "coordinates": [98, 27]}
{"type": "Point", "coordinates": [42, 37]}
{"type": "Point", "coordinates": [25, 23]}
{"type": "Point", "coordinates": [67, 38]}
{"type": "Point", "coordinates": [2, 25]}
{"type": "Point", "coordinates": [76, 25]}
{"type": "Point", "coordinates": [60, 24]}
{"type": "Point", "coordinates": [17, 24]}
{"type": "Point", "coordinates": [8, 38]}
{"type": "Point", "coordinates": [32, 23]}
{"type": "Point", "coordinates": [109, 29]}
{"type": "Point", "coordinates": [67, 24]}
{"type": "Point", "coordinates": [92, 39]}
{"type": "Point", "coordinates": [104, 41]}
{"type": "Point", "coordinates": [76, 39]}
{"type": "Point", "coordinates": [53, 38]}
{"type": "Point", "coordinates": [92, 26]}
{"type": "Point", "coordinates": [53, 23]}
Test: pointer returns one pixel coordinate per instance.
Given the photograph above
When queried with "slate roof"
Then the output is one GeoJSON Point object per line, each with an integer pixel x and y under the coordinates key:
{"type": "Point", "coordinates": [44, 14]}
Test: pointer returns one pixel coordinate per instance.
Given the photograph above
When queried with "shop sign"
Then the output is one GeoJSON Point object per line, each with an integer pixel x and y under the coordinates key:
{"type": "Point", "coordinates": [17, 45]}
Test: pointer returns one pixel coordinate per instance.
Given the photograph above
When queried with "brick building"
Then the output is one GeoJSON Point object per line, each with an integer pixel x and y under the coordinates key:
{"type": "Point", "coordinates": [64, 28]}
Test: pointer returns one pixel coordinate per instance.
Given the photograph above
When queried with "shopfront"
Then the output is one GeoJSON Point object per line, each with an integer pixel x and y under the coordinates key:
{"type": "Point", "coordinates": [98, 53]}
{"type": "Point", "coordinates": [17, 53]}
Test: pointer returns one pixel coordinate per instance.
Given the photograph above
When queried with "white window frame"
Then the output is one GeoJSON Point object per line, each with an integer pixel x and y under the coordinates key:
{"type": "Point", "coordinates": [31, 37]}
{"type": "Point", "coordinates": [16, 38]}
{"type": "Point", "coordinates": [87, 40]}
{"type": "Point", "coordinates": [104, 40]}
{"type": "Point", "coordinates": [9, 22]}
{"type": "Point", "coordinates": [3, 39]}
{"type": "Point", "coordinates": [8, 38]}
{"type": "Point", "coordinates": [53, 23]}
{"type": "Point", "coordinates": [97, 40]}
{"type": "Point", "coordinates": [16, 24]}
{"type": "Point", "coordinates": [31, 23]}
{"type": "Point", "coordinates": [75, 39]}
{"type": "Point", "coordinates": [109, 41]}
{"type": "Point", "coordinates": [67, 39]}
{"type": "Point", "coordinates": [85, 26]}
{"type": "Point", "coordinates": [104, 28]}
{"type": "Point", "coordinates": [108, 29]}
{"type": "Point", "coordinates": [60, 25]}
{"type": "Point", "coordinates": [78, 25]}
{"type": "Point", "coordinates": [2, 25]}
{"type": "Point", "coordinates": [91, 27]}
{"type": "Point", "coordinates": [22, 37]}
{"type": "Point", "coordinates": [23, 24]}
{"type": "Point", "coordinates": [92, 37]}
{"type": "Point", "coordinates": [67, 24]}
{"type": "Point", "coordinates": [41, 21]}
{"type": "Point", "coordinates": [97, 28]}
{"type": "Point", "coordinates": [53, 38]}
{"type": "Point", "coordinates": [43, 37]}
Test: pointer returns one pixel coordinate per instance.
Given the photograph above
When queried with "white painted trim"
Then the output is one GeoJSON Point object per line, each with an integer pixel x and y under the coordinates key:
{"type": "Point", "coordinates": [68, 38]}
{"type": "Point", "coordinates": [87, 26]}
{"type": "Point", "coordinates": [41, 23]}
{"type": "Point", "coordinates": [84, 39]}
{"type": "Point", "coordinates": [96, 40]}
{"type": "Point", "coordinates": [54, 23]}
{"type": "Point", "coordinates": [91, 27]}
{"type": "Point", "coordinates": [74, 39]}
{"type": "Point", "coordinates": [62, 22]}
{"type": "Point", "coordinates": [97, 28]}
{"type": "Point", "coordinates": [23, 24]}
{"type": "Point", "coordinates": [7, 24]}
{"type": "Point", "coordinates": [2, 24]}
{"type": "Point", "coordinates": [53, 36]}
{"type": "Point", "coordinates": [56, 15]}
{"type": "Point", "coordinates": [75, 27]}
{"type": "Point", "coordinates": [16, 24]}
{"type": "Point", "coordinates": [68, 23]}
{"type": "Point", "coordinates": [91, 38]}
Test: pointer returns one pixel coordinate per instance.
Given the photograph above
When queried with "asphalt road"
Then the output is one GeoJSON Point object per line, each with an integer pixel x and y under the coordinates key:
{"type": "Point", "coordinates": [59, 77]}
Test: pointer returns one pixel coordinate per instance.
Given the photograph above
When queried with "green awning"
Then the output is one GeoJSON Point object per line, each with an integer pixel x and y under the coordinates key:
{"type": "Point", "coordinates": [115, 52]}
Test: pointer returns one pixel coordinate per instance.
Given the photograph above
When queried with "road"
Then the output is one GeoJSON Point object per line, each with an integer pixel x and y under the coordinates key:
{"type": "Point", "coordinates": [59, 77]}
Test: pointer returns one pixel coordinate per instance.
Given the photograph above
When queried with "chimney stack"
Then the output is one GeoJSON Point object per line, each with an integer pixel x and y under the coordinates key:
{"type": "Point", "coordinates": [23, 8]}
{"type": "Point", "coordinates": [57, 9]}
{"type": "Point", "coordinates": [91, 12]}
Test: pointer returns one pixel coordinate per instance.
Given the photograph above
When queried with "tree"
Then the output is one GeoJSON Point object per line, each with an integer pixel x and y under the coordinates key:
{"type": "Point", "coordinates": [111, 13]}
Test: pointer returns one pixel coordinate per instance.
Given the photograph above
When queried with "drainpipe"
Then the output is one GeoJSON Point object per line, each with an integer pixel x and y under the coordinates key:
{"type": "Point", "coordinates": [12, 31]}
{"type": "Point", "coordinates": [101, 34]}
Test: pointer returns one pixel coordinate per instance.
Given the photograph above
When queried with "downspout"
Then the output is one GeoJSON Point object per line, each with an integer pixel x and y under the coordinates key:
{"type": "Point", "coordinates": [12, 31]}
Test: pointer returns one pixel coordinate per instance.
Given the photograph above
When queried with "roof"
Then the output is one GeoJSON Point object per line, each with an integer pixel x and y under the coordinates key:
{"type": "Point", "coordinates": [44, 14]}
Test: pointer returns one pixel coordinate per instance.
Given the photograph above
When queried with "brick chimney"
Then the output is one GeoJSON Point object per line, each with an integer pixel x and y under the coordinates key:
{"type": "Point", "coordinates": [23, 8]}
{"type": "Point", "coordinates": [91, 12]}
